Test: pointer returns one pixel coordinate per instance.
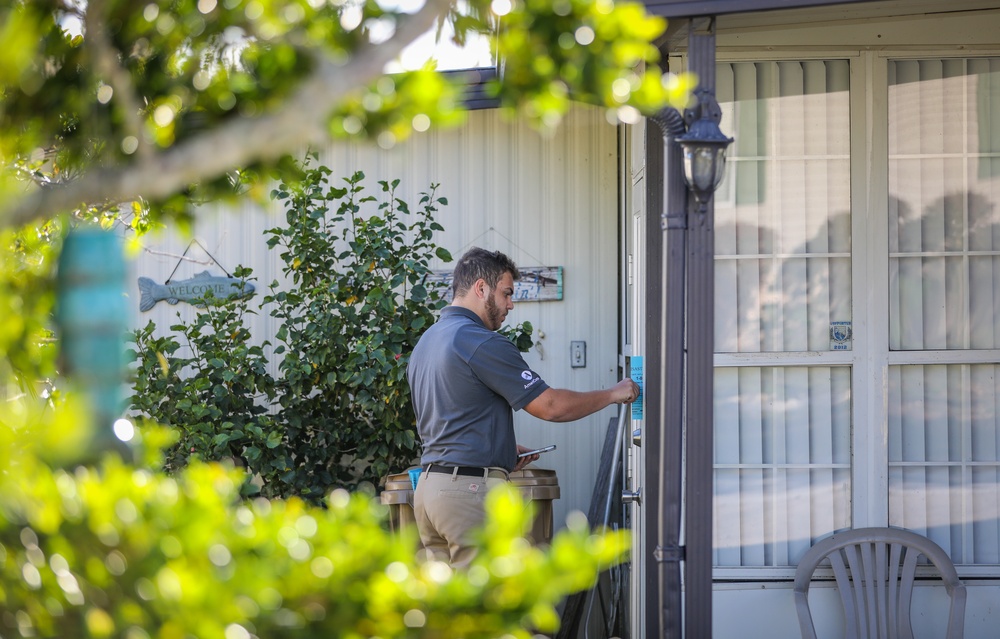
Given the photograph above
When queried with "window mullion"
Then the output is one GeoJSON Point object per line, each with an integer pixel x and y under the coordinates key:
{"type": "Point", "coordinates": [869, 201]}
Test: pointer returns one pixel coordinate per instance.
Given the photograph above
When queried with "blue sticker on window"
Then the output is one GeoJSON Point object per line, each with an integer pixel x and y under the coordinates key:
{"type": "Point", "coordinates": [840, 336]}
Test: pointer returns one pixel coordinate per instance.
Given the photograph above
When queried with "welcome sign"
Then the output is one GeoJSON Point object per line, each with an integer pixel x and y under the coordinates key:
{"type": "Point", "coordinates": [197, 290]}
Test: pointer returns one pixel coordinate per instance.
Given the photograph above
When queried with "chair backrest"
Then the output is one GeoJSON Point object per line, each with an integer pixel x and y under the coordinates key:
{"type": "Point", "coordinates": [875, 570]}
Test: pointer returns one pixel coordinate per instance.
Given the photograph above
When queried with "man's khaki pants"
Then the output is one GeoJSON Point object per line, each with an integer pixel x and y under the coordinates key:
{"type": "Point", "coordinates": [449, 510]}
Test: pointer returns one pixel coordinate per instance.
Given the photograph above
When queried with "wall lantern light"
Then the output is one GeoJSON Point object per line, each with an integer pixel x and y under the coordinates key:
{"type": "Point", "coordinates": [704, 147]}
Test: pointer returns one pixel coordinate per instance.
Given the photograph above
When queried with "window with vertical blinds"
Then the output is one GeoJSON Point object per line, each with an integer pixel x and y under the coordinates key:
{"type": "Point", "coordinates": [944, 478]}
{"type": "Point", "coordinates": [783, 215]}
{"type": "Point", "coordinates": [782, 462]}
{"type": "Point", "coordinates": [783, 284]}
{"type": "Point", "coordinates": [944, 295]}
{"type": "Point", "coordinates": [944, 204]}
{"type": "Point", "coordinates": [785, 380]}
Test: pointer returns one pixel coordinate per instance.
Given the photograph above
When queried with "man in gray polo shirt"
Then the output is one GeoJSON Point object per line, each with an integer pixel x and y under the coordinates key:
{"type": "Point", "coordinates": [466, 381]}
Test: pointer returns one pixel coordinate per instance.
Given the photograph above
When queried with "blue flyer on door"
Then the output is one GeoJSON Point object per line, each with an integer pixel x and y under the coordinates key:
{"type": "Point", "coordinates": [635, 364]}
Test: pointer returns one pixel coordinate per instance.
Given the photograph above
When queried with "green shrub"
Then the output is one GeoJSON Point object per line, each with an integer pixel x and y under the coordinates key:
{"type": "Point", "coordinates": [216, 394]}
{"type": "Point", "coordinates": [356, 298]}
{"type": "Point", "coordinates": [120, 551]}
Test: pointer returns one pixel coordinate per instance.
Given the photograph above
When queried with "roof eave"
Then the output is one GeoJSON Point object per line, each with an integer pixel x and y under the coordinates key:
{"type": "Point", "coordinates": [695, 8]}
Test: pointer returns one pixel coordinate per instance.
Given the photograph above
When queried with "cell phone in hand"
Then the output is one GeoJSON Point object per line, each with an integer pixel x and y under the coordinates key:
{"type": "Point", "coordinates": [538, 451]}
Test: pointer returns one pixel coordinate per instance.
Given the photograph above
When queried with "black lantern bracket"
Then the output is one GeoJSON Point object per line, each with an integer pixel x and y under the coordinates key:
{"type": "Point", "coordinates": [704, 147]}
{"type": "Point", "coordinates": [706, 107]}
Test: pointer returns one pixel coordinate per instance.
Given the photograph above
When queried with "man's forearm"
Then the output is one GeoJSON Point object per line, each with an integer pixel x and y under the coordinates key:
{"type": "Point", "coordinates": [563, 405]}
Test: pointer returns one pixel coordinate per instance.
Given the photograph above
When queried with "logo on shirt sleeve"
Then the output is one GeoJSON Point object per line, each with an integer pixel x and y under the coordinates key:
{"type": "Point", "coordinates": [531, 378]}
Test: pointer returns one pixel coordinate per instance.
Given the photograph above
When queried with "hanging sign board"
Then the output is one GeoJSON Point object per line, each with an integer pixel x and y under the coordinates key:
{"type": "Point", "coordinates": [201, 289]}
{"type": "Point", "coordinates": [536, 284]}
{"type": "Point", "coordinates": [193, 290]}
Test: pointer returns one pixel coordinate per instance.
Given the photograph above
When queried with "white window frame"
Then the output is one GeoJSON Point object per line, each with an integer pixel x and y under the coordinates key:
{"type": "Point", "coordinates": [880, 356]}
{"type": "Point", "coordinates": [870, 357]}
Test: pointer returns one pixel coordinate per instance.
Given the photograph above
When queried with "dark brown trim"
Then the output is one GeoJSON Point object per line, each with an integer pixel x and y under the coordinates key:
{"type": "Point", "coordinates": [693, 8]}
{"type": "Point", "coordinates": [653, 364]}
{"type": "Point", "coordinates": [669, 551]}
{"type": "Point", "coordinates": [699, 497]}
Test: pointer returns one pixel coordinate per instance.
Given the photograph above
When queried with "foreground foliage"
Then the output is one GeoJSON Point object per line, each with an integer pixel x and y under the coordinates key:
{"type": "Point", "coordinates": [175, 101]}
{"type": "Point", "coordinates": [118, 550]}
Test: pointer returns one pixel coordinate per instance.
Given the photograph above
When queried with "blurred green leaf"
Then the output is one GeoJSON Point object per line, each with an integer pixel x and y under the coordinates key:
{"type": "Point", "coordinates": [147, 83]}
{"type": "Point", "coordinates": [115, 550]}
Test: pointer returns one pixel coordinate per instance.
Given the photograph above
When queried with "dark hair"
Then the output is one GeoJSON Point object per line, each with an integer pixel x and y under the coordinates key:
{"type": "Point", "coordinates": [478, 263]}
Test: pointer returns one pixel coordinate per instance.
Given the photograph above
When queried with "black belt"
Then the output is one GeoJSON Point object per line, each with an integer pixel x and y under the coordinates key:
{"type": "Point", "coordinates": [469, 471]}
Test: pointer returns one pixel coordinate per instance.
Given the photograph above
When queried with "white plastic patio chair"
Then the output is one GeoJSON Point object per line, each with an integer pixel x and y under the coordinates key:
{"type": "Point", "coordinates": [875, 570]}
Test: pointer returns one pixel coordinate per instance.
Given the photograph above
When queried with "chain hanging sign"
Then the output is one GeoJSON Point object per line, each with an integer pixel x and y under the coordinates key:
{"type": "Point", "coordinates": [200, 290]}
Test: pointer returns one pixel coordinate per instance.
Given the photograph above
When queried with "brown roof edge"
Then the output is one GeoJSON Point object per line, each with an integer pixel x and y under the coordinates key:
{"type": "Point", "coordinates": [691, 8]}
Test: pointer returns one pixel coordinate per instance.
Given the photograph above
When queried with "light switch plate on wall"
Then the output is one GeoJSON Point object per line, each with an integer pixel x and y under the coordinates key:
{"type": "Point", "coordinates": [578, 354]}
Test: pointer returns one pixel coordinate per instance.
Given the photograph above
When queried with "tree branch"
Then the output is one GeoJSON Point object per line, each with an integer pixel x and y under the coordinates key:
{"type": "Point", "coordinates": [300, 121]}
{"type": "Point", "coordinates": [107, 65]}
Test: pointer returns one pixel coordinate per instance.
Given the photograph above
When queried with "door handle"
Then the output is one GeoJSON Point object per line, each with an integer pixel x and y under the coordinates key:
{"type": "Point", "coordinates": [632, 496]}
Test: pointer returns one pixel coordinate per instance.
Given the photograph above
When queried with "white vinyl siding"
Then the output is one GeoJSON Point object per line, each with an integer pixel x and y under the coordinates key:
{"type": "Point", "coordinates": [542, 199]}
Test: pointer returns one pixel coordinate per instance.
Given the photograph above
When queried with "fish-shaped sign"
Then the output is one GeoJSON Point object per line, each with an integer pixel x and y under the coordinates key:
{"type": "Point", "coordinates": [192, 291]}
